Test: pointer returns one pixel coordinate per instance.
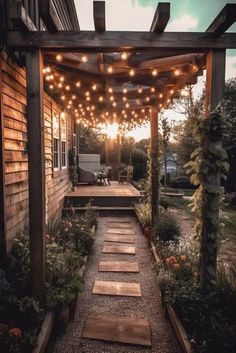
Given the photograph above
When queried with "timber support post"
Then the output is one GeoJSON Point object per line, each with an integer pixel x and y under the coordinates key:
{"type": "Point", "coordinates": [36, 155]}
{"type": "Point", "coordinates": [3, 231]}
{"type": "Point", "coordinates": [215, 82]}
{"type": "Point", "coordinates": [154, 166]}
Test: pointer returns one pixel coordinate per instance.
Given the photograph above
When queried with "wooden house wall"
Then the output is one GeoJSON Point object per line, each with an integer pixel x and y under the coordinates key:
{"type": "Point", "coordinates": [15, 148]}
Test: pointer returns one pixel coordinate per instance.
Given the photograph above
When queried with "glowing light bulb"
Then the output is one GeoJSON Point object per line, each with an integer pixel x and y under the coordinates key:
{"type": "Point", "coordinates": [110, 69]}
{"type": "Point", "coordinates": [94, 87]}
{"type": "Point", "coordinates": [62, 78]}
{"type": "Point", "coordinates": [124, 56]}
{"type": "Point", "coordinates": [100, 99]}
{"type": "Point", "coordinates": [153, 89]}
{"type": "Point", "coordinates": [154, 72]}
{"type": "Point", "coordinates": [84, 58]}
{"type": "Point", "coordinates": [67, 87]}
{"type": "Point", "coordinates": [161, 95]}
{"type": "Point", "coordinates": [132, 72]}
{"type": "Point", "coordinates": [140, 90]}
{"type": "Point", "coordinates": [78, 84]}
{"type": "Point", "coordinates": [177, 72]}
{"type": "Point", "coordinates": [125, 90]}
{"type": "Point", "coordinates": [59, 57]}
{"type": "Point", "coordinates": [110, 89]}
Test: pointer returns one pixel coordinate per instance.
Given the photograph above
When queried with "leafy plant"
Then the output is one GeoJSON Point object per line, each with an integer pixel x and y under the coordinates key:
{"type": "Point", "coordinates": [144, 213]}
{"type": "Point", "coordinates": [167, 228]}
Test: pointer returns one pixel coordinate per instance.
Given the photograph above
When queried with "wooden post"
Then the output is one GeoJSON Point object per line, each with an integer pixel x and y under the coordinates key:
{"type": "Point", "coordinates": [3, 239]}
{"type": "Point", "coordinates": [215, 82]}
{"type": "Point", "coordinates": [36, 154]}
{"type": "Point", "coordinates": [154, 165]}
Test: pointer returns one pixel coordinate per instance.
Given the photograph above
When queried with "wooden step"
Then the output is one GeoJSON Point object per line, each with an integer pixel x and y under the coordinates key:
{"type": "Point", "coordinates": [119, 249]}
{"type": "Point", "coordinates": [119, 225]}
{"type": "Point", "coordinates": [120, 231]}
{"type": "Point", "coordinates": [118, 219]}
{"type": "Point", "coordinates": [118, 266]}
{"type": "Point", "coordinates": [123, 330]}
{"type": "Point", "coordinates": [117, 288]}
{"type": "Point", "coordinates": [119, 238]}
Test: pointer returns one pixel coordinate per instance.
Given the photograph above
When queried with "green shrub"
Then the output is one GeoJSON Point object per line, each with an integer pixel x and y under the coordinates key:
{"type": "Point", "coordinates": [181, 182]}
{"type": "Point", "coordinates": [167, 228]}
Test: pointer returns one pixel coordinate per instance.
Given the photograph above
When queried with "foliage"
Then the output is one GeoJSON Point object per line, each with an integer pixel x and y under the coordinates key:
{"type": "Point", "coordinates": [207, 167]}
{"type": "Point", "coordinates": [21, 318]}
{"type": "Point", "coordinates": [208, 318]}
{"type": "Point", "coordinates": [181, 182]}
{"type": "Point", "coordinates": [229, 106]}
{"type": "Point", "coordinates": [91, 141]}
{"type": "Point", "coordinates": [144, 213]}
{"type": "Point", "coordinates": [62, 279]}
{"type": "Point", "coordinates": [167, 228]}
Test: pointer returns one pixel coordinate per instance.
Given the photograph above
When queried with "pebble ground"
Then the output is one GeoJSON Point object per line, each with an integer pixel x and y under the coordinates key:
{"type": "Point", "coordinates": [148, 306]}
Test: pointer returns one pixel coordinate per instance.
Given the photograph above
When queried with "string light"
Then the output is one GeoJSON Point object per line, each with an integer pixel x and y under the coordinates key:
{"type": "Point", "coordinates": [78, 84]}
{"type": "Point", "coordinates": [125, 90]}
{"type": "Point", "coordinates": [62, 78]}
{"type": "Point", "coordinates": [84, 58]}
{"type": "Point", "coordinates": [124, 99]}
{"type": "Point", "coordinates": [60, 85]}
{"type": "Point", "coordinates": [74, 97]}
{"type": "Point", "coordinates": [177, 72]}
{"type": "Point", "coordinates": [94, 87]}
{"type": "Point", "coordinates": [132, 72]}
{"type": "Point", "coordinates": [161, 95]}
{"type": "Point", "coordinates": [59, 58]}
{"type": "Point", "coordinates": [154, 72]}
{"type": "Point", "coordinates": [153, 89]}
{"type": "Point", "coordinates": [110, 69]}
{"type": "Point", "coordinates": [67, 87]}
{"type": "Point", "coordinates": [124, 56]}
{"type": "Point", "coordinates": [100, 99]}
{"type": "Point", "coordinates": [140, 90]}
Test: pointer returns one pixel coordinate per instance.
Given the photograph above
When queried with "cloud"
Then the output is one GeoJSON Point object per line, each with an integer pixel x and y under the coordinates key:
{"type": "Point", "coordinates": [184, 23]}
{"type": "Point", "coordinates": [230, 70]}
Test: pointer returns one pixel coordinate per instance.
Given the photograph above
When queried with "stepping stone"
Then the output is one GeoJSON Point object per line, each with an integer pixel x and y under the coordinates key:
{"type": "Point", "coordinates": [120, 231]}
{"type": "Point", "coordinates": [118, 220]}
{"type": "Point", "coordinates": [119, 249]}
{"type": "Point", "coordinates": [118, 266]}
{"type": "Point", "coordinates": [119, 238]}
{"type": "Point", "coordinates": [123, 330]}
{"type": "Point", "coordinates": [117, 288]}
{"type": "Point", "coordinates": [120, 225]}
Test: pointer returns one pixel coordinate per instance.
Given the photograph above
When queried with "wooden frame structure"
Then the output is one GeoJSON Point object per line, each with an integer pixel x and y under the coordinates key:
{"type": "Point", "coordinates": [143, 70]}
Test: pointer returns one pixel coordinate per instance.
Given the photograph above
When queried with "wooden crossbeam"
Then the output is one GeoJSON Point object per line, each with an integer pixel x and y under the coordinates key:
{"type": "Point", "coordinates": [49, 15]}
{"type": "Point", "coordinates": [223, 20]}
{"type": "Point", "coordinates": [172, 61]}
{"type": "Point", "coordinates": [161, 17]}
{"type": "Point", "coordinates": [99, 16]}
{"type": "Point", "coordinates": [118, 41]}
{"type": "Point", "coordinates": [20, 18]}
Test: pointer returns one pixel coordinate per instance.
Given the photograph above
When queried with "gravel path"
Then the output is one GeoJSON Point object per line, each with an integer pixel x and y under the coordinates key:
{"type": "Point", "coordinates": [148, 306]}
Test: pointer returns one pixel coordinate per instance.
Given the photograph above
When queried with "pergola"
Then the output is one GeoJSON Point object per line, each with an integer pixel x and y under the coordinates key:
{"type": "Point", "coordinates": [105, 76]}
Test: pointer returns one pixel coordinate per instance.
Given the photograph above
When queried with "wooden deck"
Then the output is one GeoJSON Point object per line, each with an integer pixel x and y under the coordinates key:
{"type": "Point", "coordinates": [113, 190]}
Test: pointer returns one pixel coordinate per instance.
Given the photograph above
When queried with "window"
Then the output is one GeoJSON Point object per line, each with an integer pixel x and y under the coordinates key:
{"type": "Point", "coordinates": [63, 141]}
{"type": "Point", "coordinates": [56, 136]}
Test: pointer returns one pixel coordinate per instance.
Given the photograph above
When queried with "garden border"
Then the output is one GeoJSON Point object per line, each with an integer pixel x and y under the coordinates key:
{"type": "Point", "coordinates": [45, 333]}
{"type": "Point", "coordinates": [178, 327]}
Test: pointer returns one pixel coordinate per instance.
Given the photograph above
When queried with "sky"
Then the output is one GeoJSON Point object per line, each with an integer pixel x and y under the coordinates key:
{"type": "Point", "coordinates": [137, 15]}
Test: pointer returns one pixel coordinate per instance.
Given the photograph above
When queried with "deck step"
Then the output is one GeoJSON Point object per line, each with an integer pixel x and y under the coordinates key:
{"type": "Point", "coordinates": [119, 238]}
{"type": "Point", "coordinates": [121, 231]}
{"type": "Point", "coordinates": [123, 330]}
{"type": "Point", "coordinates": [101, 201]}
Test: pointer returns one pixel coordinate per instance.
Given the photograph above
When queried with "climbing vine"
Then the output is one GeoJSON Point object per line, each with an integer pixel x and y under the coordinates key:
{"type": "Point", "coordinates": [208, 167]}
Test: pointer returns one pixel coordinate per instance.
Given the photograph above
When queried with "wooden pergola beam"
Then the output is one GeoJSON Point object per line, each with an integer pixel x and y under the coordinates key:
{"type": "Point", "coordinates": [99, 16]}
{"type": "Point", "coordinates": [49, 16]}
{"type": "Point", "coordinates": [154, 165]}
{"type": "Point", "coordinates": [3, 225]}
{"type": "Point", "coordinates": [119, 41]}
{"type": "Point", "coordinates": [223, 20]}
{"type": "Point", "coordinates": [20, 18]}
{"type": "Point", "coordinates": [36, 157]}
{"type": "Point", "coordinates": [161, 17]}
{"type": "Point", "coordinates": [172, 61]}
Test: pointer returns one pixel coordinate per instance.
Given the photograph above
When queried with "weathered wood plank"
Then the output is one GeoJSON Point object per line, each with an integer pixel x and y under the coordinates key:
{"type": "Point", "coordinates": [124, 330]}
{"type": "Point", "coordinates": [119, 249]}
{"type": "Point", "coordinates": [118, 266]}
{"type": "Point", "coordinates": [161, 17]}
{"type": "Point", "coordinates": [117, 288]}
{"type": "Point", "coordinates": [49, 16]}
{"type": "Point", "coordinates": [119, 41]}
{"type": "Point", "coordinates": [120, 231]}
{"type": "Point", "coordinates": [37, 210]}
{"type": "Point", "coordinates": [99, 16]}
{"type": "Point", "coordinates": [223, 20]}
{"type": "Point", "coordinates": [119, 238]}
{"type": "Point", "coordinates": [20, 18]}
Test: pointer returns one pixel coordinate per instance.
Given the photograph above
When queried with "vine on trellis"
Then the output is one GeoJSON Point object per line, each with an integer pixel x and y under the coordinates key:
{"type": "Point", "coordinates": [207, 168]}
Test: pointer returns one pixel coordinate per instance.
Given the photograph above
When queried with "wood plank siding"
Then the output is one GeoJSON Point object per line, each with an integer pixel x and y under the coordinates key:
{"type": "Point", "coordinates": [16, 156]}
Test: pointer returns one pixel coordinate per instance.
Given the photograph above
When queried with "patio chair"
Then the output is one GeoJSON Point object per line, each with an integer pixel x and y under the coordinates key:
{"type": "Point", "coordinates": [88, 168]}
{"type": "Point", "coordinates": [126, 174]}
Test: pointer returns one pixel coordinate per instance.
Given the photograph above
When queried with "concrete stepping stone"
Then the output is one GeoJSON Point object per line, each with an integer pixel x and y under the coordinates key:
{"type": "Point", "coordinates": [119, 249]}
{"type": "Point", "coordinates": [117, 288]}
{"type": "Point", "coordinates": [123, 330]}
{"type": "Point", "coordinates": [120, 231]}
{"type": "Point", "coordinates": [119, 238]}
{"type": "Point", "coordinates": [118, 266]}
{"type": "Point", "coordinates": [120, 225]}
